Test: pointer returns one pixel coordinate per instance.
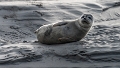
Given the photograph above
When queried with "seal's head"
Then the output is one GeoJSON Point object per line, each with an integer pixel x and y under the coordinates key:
{"type": "Point", "coordinates": [86, 20]}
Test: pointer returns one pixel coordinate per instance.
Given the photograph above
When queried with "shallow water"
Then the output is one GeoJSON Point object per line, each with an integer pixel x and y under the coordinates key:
{"type": "Point", "coordinates": [100, 47]}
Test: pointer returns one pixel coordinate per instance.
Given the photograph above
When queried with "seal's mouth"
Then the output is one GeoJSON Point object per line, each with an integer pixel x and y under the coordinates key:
{"type": "Point", "coordinates": [85, 22]}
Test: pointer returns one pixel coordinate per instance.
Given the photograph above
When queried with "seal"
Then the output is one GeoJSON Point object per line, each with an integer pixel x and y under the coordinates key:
{"type": "Point", "coordinates": [65, 31]}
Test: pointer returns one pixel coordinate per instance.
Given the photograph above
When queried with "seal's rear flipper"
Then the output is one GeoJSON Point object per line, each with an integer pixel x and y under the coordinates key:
{"type": "Point", "coordinates": [35, 32]}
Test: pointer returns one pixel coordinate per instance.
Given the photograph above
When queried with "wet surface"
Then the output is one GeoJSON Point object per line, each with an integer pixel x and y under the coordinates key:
{"type": "Point", "coordinates": [17, 38]}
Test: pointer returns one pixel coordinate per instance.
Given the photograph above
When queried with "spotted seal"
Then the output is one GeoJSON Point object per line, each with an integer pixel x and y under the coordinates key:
{"type": "Point", "coordinates": [65, 31]}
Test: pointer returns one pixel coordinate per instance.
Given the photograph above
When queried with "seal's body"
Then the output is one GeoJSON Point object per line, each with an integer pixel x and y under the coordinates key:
{"type": "Point", "coordinates": [66, 31]}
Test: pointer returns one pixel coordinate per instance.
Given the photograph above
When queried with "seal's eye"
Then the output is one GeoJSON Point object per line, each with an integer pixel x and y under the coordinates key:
{"type": "Point", "coordinates": [90, 18]}
{"type": "Point", "coordinates": [82, 16]}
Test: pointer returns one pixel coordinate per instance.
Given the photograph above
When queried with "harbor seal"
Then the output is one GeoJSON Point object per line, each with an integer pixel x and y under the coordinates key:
{"type": "Point", "coordinates": [66, 31]}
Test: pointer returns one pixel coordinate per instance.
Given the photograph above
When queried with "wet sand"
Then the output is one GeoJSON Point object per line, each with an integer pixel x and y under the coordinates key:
{"type": "Point", "coordinates": [19, 20]}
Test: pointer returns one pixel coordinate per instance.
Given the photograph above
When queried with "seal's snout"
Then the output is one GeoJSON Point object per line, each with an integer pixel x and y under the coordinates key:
{"type": "Point", "coordinates": [84, 18]}
{"type": "Point", "coordinates": [85, 21]}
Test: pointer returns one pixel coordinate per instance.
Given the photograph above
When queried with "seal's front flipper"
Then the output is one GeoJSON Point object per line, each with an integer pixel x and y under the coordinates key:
{"type": "Point", "coordinates": [48, 31]}
{"type": "Point", "coordinates": [59, 24]}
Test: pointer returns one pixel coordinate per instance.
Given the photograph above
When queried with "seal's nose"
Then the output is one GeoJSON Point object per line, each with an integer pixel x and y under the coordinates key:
{"type": "Point", "coordinates": [84, 18]}
{"type": "Point", "coordinates": [85, 22]}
